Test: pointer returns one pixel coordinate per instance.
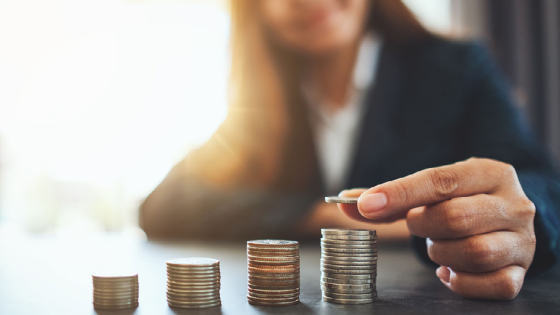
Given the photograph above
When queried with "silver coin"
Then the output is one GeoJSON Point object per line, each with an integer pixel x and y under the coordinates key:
{"type": "Point", "coordinates": [270, 291]}
{"type": "Point", "coordinates": [364, 248]}
{"type": "Point", "coordinates": [350, 237]}
{"type": "Point", "coordinates": [192, 261]}
{"type": "Point", "coordinates": [115, 294]}
{"type": "Point", "coordinates": [331, 289]}
{"type": "Point", "coordinates": [343, 255]}
{"type": "Point", "coordinates": [346, 200]}
{"type": "Point", "coordinates": [115, 289]}
{"type": "Point", "coordinates": [348, 232]}
{"type": "Point", "coordinates": [175, 305]}
{"type": "Point", "coordinates": [193, 280]}
{"type": "Point", "coordinates": [193, 298]}
{"type": "Point", "coordinates": [285, 255]}
{"type": "Point", "coordinates": [274, 295]}
{"type": "Point", "coordinates": [271, 300]}
{"type": "Point", "coordinates": [114, 275]}
{"type": "Point", "coordinates": [255, 261]}
{"type": "Point", "coordinates": [348, 271]}
{"type": "Point", "coordinates": [99, 301]}
{"type": "Point", "coordinates": [360, 288]}
{"type": "Point", "coordinates": [268, 287]}
{"type": "Point", "coordinates": [115, 286]}
{"type": "Point", "coordinates": [348, 267]}
{"type": "Point", "coordinates": [115, 304]}
{"type": "Point", "coordinates": [182, 292]}
{"type": "Point", "coordinates": [260, 303]}
{"type": "Point", "coordinates": [273, 277]}
{"type": "Point", "coordinates": [347, 281]}
{"type": "Point", "coordinates": [363, 264]}
{"type": "Point", "coordinates": [330, 249]}
{"type": "Point", "coordinates": [272, 243]}
{"type": "Point", "coordinates": [357, 259]}
{"type": "Point", "coordinates": [347, 242]}
{"type": "Point", "coordinates": [347, 276]}
{"type": "Point", "coordinates": [347, 301]}
{"type": "Point", "coordinates": [113, 307]}
{"type": "Point", "coordinates": [180, 300]}
{"type": "Point", "coordinates": [371, 295]}
{"type": "Point", "coordinates": [194, 273]}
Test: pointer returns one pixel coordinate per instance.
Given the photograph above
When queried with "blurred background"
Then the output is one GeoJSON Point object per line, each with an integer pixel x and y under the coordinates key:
{"type": "Point", "coordinates": [100, 98]}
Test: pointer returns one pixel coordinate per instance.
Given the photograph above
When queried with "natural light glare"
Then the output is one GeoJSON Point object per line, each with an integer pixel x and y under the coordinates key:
{"type": "Point", "coordinates": [102, 98]}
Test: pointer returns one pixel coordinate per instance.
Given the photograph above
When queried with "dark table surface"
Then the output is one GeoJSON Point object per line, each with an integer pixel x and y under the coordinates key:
{"type": "Point", "coordinates": [53, 276]}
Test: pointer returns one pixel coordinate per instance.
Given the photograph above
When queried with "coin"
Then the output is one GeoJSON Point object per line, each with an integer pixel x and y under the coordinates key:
{"type": "Point", "coordinates": [348, 232]}
{"type": "Point", "coordinates": [325, 290]}
{"type": "Point", "coordinates": [194, 261]}
{"type": "Point", "coordinates": [178, 305]}
{"type": "Point", "coordinates": [268, 243]}
{"type": "Point", "coordinates": [347, 301]}
{"type": "Point", "coordinates": [359, 254]}
{"type": "Point", "coordinates": [362, 264]}
{"type": "Point", "coordinates": [274, 303]}
{"type": "Point", "coordinates": [358, 248]}
{"type": "Point", "coordinates": [348, 286]}
{"type": "Point", "coordinates": [273, 270]}
{"type": "Point", "coordinates": [337, 199]}
{"type": "Point", "coordinates": [114, 307]}
{"type": "Point", "coordinates": [193, 302]}
{"type": "Point", "coordinates": [351, 296]}
{"type": "Point", "coordinates": [271, 300]}
{"type": "Point", "coordinates": [347, 267]}
{"type": "Point", "coordinates": [349, 258]}
{"type": "Point", "coordinates": [348, 242]}
{"type": "Point", "coordinates": [350, 237]}
{"type": "Point", "coordinates": [347, 281]}
{"type": "Point", "coordinates": [274, 291]}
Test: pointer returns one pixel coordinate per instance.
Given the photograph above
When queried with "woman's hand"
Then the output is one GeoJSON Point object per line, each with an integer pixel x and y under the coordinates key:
{"type": "Point", "coordinates": [476, 219]}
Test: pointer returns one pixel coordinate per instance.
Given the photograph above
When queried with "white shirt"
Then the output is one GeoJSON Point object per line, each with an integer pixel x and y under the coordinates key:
{"type": "Point", "coordinates": [336, 133]}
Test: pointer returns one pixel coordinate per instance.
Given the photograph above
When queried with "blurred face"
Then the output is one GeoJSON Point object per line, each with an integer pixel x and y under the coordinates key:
{"type": "Point", "coordinates": [315, 27]}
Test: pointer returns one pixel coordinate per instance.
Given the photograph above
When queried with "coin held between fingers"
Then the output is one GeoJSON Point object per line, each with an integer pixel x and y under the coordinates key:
{"type": "Point", "coordinates": [346, 200]}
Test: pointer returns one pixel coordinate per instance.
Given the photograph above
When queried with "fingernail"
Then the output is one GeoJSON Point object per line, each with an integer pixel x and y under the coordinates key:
{"type": "Point", "coordinates": [443, 274]}
{"type": "Point", "coordinates": [341, 194]}
{"type": "Point", "coordinates": [373, 202]}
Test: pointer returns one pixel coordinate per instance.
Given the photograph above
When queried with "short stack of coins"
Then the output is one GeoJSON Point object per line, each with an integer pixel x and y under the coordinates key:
{"type": "Point", "coordinates": [273, 272]}
{"type": "Point", "coordinates": [193, 283]}
{"type": "Point", "coordinates": [348, 266]}
{"type": "Point", "coordinates": [115, 292]}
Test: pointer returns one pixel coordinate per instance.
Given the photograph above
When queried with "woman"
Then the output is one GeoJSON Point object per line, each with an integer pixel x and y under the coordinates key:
{"type": "Point", "coordinates": [355, 93]}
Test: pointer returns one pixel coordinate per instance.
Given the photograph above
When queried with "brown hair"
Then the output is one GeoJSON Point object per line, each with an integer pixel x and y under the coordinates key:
{"type": "Point", "coordinates": [265, 131]}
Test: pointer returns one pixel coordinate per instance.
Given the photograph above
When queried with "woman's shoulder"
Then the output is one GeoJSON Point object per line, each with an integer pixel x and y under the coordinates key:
{"type": "Point", "coordinates": [451, 55]}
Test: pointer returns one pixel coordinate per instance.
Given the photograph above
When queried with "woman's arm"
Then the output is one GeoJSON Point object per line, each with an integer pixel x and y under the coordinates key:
{"type": "Point", "coordinates": [186, 206]}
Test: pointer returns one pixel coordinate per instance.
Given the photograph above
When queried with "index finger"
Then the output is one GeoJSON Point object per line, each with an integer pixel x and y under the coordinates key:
{"type": "Point", "coordinates": [429, 186]}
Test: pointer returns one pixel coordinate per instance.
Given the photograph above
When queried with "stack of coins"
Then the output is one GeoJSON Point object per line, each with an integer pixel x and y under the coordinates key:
{"type": "Point", "coordinates": [348, 266]}
{"type": "Point", "coordinates": [193, 283]}
{"type": "Point", "coordinates": [273, 272]}
{"type": "Point", "coordinates": [114, 292]}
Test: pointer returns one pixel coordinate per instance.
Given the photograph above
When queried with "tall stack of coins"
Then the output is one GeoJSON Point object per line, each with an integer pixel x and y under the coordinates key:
{"type": "Point", "coordinates": [193, 283]}
{"type": "Point", "coordinates": [348, 266]}
{"type": "Point", "coordinates": [273, 268]}
{"type": "Point", "coordinates": [114, 292]}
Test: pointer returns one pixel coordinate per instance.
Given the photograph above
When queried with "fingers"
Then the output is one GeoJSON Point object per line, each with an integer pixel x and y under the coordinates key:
{"type": "Point", "coordinates": [482, 253]}
{"type": "Point", "coordinates": [462, 217]}
{"type": "Point", "coordinates": [471, 177]}
{"type": "Point", "coordinates": [351, 210]}
{"type": "Point", "coordinates": [502, 284]}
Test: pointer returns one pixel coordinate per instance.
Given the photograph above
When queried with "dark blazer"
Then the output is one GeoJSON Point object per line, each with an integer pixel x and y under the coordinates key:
{"type": "Point", "coordinates": [434, 103]}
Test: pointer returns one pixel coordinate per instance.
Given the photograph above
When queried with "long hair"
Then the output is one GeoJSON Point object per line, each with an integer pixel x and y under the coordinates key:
{"type": "Point", "coordinates": [265, 132]}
